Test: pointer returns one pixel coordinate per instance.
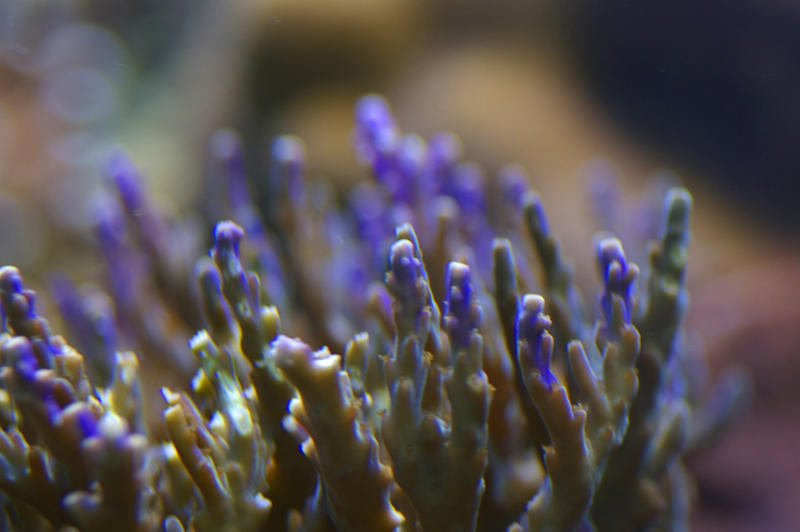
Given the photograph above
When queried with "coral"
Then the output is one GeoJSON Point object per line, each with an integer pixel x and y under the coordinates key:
{"type": "Point", "coordinates": [460, 399]}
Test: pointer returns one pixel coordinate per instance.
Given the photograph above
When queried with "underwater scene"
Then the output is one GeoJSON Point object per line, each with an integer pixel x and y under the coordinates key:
{"type": "Point", "coordinates": [322, 266]}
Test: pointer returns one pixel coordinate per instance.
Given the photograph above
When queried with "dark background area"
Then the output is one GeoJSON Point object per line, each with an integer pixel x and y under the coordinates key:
{"type": "Point", "coordinates": [715, 84]}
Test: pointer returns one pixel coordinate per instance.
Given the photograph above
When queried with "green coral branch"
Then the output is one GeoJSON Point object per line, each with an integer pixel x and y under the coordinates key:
{"type": "Point", "coordinates": [356, 485]}
{"type": "Point", "coordinates": [564, 302]}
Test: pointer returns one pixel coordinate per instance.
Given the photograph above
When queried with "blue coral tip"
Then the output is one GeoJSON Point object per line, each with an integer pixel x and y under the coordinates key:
{"type": "Point", "coordinates": [87, 423]}
{"type": "Point", "coordinates": [227, 236]}
{"type": "Point", "coordinates": [372, 111]}
{"type": "Point", "coordinates": [288, 149]}
{"type": "Point", "coordinates": [225, 145]}
{"type": "Point", "coordinates": [532, 321]}
{"type": "Point", "coordinates": [444, 149]}
{"type": "Point", "coordinates": [609, 251]}
{"type": "Point", "coordinates": [18, 351]}
{"type": "Point", "coordinates": [513, 184]}
{"type": "Point", "coordinates": [126, 179]}
{"type": "Point", "coordinates": [411, 154]}
{"type": "Point", "coordinates": [404, 265]}
{"type": "Point", "coordinates": [459, 289]}
{"type": "Point", "coordinates": [10, 280]}
{"type": "Point", "coordinates": [532, 204]}
{"type": "Point", "coordinates": [536, 344]}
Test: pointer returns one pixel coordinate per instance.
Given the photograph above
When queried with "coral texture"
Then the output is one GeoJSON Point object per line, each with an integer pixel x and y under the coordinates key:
{"type": "Point", "coordinates": [446, 396]}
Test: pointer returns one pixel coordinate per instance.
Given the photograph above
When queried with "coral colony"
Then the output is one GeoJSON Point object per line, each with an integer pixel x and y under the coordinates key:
{"type": "Point", "coordinates": [445, 396]}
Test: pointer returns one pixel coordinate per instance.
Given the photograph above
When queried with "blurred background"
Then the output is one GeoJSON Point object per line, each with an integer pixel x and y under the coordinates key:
{"type": "Point", "coordinates": [590, 97]}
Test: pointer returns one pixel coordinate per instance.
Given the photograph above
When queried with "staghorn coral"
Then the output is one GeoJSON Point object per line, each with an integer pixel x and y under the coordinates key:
{"type": "Point", "coordinates": [460, 400]}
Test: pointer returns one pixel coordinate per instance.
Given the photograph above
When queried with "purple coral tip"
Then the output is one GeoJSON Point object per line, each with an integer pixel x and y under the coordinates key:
{"type": "Point", "coordinates": [444, 149]}
{"type": "Point", "coordinates": [10, 280]}
{"type": "Point", "coordinates": [468, 188]}
{"type": "Point", "coordinates": [535, 212]}
{"type": "Point", "coordinates": [288, 158]}
{"type": "Point", "coordinates": [375, 127]}
{"type": "Point", "coordinates": [532, 325]}
{"type": "Point", "coordinates": [411, 155]}
{"type": "Point", "coordinates": [609, 252]}
{"type": "Point", "coordinates": [457, 281]}
{"type": "Point", "coordinates": [87, 423]}
{"type": "Point", "coordinates": [513, 184]}
{"type": "Point", "coordinates": [227, 236]}
{"type": "Point", "coordinates": [404, 265]}
{"type": "Point", "coordinates": [458, 316]}
{"type": "Point", "coordinates": [18, 353]}
{"type": "Point", "coordinates": [225, 145]}
{"type": "Point", "coordinates": [127, 180]}
{"type": "Point", "coordinates": [225, 148]}
{"type": "Point", "coordinates": [373, 113]}
{"type": "Point", "coordinates": [289, 149]}
{"type": "Point", "coordinates": [618, 277]}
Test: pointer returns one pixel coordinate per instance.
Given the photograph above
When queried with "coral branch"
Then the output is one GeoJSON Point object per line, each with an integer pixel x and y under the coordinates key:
{"type": "Point", "coordinates": [356, 485]}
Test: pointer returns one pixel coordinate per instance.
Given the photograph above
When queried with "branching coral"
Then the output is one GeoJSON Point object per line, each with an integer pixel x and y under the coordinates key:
{"type": "Point", "coordinates": [459, 402]}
